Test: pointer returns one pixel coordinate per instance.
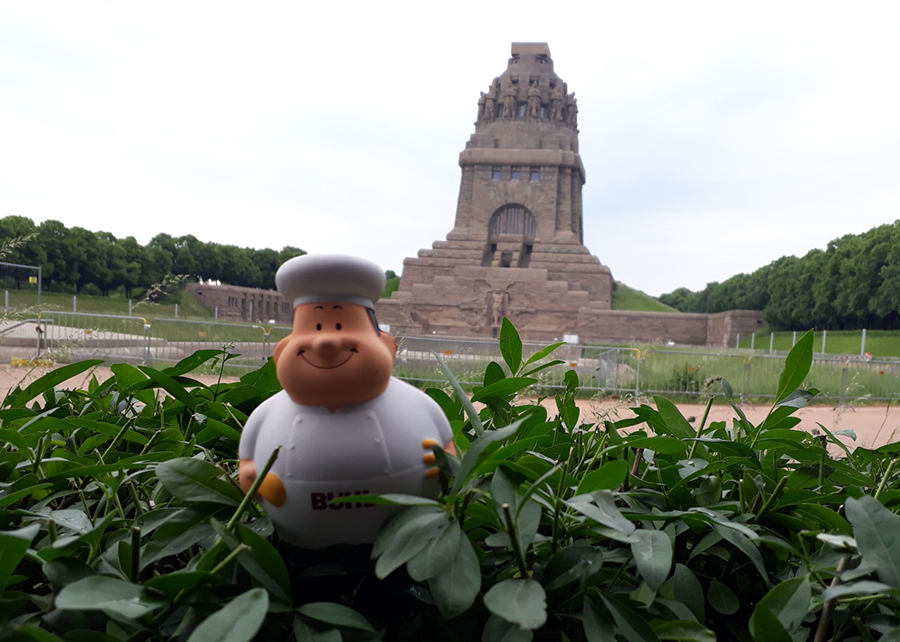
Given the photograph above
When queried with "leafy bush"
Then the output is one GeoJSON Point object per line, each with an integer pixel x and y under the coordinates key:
{"type": "Point", "coordinates": [120, 519]}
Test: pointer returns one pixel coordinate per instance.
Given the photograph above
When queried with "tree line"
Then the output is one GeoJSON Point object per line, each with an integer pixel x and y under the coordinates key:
{"type": "Point", "coordinates": [854, 283]}
{"type": "Point", "coordinates": [80, 261]}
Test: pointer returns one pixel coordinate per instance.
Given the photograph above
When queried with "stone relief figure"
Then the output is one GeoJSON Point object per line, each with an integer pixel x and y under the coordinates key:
{"type": "Point", "coordinates": [534, 100]}
{"type": "Point", "coordinates": [556, 104]}
{"type": "Point", "coordinates": [417, 317]}
{"type": "Point", "coordinates": [482, 116]}
{"type": "Point", "coordinates": [572, 111]}
{"type": "Point", "coordinates": [490, 100]}
{"type": "Point", "coordinates": [498, 303]}
{"type": "Point", "coordinates": [509, 101]}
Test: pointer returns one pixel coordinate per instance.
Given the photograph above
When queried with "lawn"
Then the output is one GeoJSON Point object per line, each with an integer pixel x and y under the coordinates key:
{"type": "Point", "coordinates": [879, 343]}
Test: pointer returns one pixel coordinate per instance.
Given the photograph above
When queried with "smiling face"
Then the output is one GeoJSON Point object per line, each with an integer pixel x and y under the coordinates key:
{"type": "Point", "coordinates": [334, 356]}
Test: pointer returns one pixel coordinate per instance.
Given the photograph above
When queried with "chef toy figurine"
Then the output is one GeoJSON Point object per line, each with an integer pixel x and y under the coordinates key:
{"type": "Point", "coordinates": [345, 425]}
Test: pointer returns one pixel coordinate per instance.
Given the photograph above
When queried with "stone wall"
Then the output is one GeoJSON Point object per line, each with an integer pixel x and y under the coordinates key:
{"type": "Point", "coordinates": [243, 304]}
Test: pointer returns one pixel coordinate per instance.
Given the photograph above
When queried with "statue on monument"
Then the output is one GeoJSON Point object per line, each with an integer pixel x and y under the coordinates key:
{"type": "Point", "coordinates": [556, 104]}
{"type": "Point", "coordinates": [572, 111]}
{"type": "Point", "coordinates": [509, 101]}
{"type": "Point", "coordinates": [498, 301]}
{"type": "Point", "coordinates": [534, 100]}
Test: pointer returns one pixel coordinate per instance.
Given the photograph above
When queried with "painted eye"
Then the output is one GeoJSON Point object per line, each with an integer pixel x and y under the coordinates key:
{"type": "Point", "coordinates": [318, 326]}
{"type": "Point", "coordinates": [338, 326]}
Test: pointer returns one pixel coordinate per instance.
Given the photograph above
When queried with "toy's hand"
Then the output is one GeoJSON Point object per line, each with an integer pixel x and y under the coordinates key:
{"type": "Point", "coordinates": [431, 460]}
{"type": "Point", "coordinates": [272, 490]}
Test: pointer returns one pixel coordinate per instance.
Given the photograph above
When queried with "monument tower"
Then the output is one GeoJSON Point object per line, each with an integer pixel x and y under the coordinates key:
{"type": "Point", "coordinates": [516, 248]}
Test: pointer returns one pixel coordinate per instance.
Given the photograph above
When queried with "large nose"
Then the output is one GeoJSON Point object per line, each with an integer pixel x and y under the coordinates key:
{"type": "Point", "coordinates": [328, 346]}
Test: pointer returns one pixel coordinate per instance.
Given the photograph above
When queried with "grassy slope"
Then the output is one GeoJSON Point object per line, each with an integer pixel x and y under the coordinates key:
{"type": "Point", "coordinates": [188, 304]}
{"type": "Point", "coordinates": [626, 298]}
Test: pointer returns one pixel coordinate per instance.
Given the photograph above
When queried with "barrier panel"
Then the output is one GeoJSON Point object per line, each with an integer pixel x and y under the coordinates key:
{"type": "Point", "coordinates": [602, 370]}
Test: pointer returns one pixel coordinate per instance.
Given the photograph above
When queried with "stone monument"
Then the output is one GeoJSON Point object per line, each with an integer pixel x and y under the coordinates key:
{"type": "Point", "coordinates": [516, 248]}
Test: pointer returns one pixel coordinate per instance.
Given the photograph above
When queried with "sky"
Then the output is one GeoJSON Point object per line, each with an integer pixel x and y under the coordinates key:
{"type": "Point", "coordinates": [716, 137]}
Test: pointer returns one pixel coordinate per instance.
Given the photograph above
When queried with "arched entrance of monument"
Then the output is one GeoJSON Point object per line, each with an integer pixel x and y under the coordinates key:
{"type": "Point", "coordinates": [511, 231]}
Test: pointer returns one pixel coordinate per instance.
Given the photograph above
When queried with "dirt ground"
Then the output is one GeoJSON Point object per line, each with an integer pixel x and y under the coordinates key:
{"type": "Point", "coordinates": [873, 425]}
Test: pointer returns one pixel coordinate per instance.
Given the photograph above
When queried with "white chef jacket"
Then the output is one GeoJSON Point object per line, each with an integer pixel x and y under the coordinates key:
{"type": "Point", "coordinates": [373, 447]}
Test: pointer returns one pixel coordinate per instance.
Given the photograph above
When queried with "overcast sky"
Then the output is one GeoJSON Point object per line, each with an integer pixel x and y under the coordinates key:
{"type": "Point", "coordinates": [716, 136]}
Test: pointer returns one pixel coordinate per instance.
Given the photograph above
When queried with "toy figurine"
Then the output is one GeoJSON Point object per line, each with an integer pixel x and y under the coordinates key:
{"type": "Point", "coordinates": [345, 425]}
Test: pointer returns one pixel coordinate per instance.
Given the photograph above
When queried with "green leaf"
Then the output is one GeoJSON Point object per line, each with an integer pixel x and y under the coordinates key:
{"type": "Point", "coordinates": [522, 602]}
{"type": "Point", "coordinates": [413, 536]}
{"type": "Point", "coordinates": [171, 386]}
{"type": "Point", "coordinates": [855, 588]}
{"type": "Point", "coordinates": [461, 396]}
{"type": "Point", "coordinates": [875, 529]}
{"type": "Point", "coordinates": [195, 480]}
{"type": "Point", "coordinates": [503, 388]}
{"type": "Point", "coordinates": [597, 625]}
{"type": "Point", "coordinates": [722, 598]}
{"type": "Point", "coordinates": [193, 362]}
{"type": "Point", "coordinates": [788, 603]}
{"type": "Point", "coordinates": [652, 552]}
{"type": "Point", "coordinates": [569, 564]}
{"type": "Point", "coordinates": [499, 630]}
{"type": "Point", "coordinates": [110, 595]}
{"type": "Point", "coordinates": [336, 615]}
{"type": "Point", "coordinates": [510, 346]}
{"type": "Point", "coordinates": [455, 590]}
{"type": "Point", "coordinates": [493, 373]}
{"type": "Point", "coordinates": [437, 555]}
{"type": "Point", "coordinates": [540, 354]}
{"type": "Point", "coordinates": [684, 631]}
{"type": "Point", "coordinates": [473, 455]}
{"type": "Point", "coordinates": [303, 632]}
{"type": "Point", "coordinates": [629, 623]}
{"type": "Point", "coordinates": [743, 544]}
{"type": "Point", "coordinates": [262, 561]}
{"type": "Point", "coordinates": [796, 367]}
{"type": "Point", "coordinates": [674, 420]}
{"type": "Point", "coordinates": [237, 621]}
{"type": "Point", "coordinates": [600, 506]}
{"type": "Point", "coordinates": [687, 590]}
{"type": "Point", "coordinates": [50, 381]}
{"type": "Point", "coordinates": [13, 546]}
{"type": "Point", "coordinates": [184, 529]}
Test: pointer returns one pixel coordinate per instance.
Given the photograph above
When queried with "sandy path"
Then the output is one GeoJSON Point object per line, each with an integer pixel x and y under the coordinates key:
{"type": "Point", "coordinates": [873, 425]}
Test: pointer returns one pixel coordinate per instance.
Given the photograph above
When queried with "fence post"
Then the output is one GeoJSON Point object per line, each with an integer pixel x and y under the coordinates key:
{"type": "Point", "coordinates": [862, 347]}
{"type": "Point", "coordinates": [794, 339]}
{"type": "Point", "coordinates": [176, 310]}
{"type": "Point", "coordinates": [74, 303]}
{"type": "Point", "coordinates": [217, 313]}
{"type": "Point", "coordinates": [737, 340]}
{"type": "Point", "coordinates": [147, 333]}
{"type": "Point", "coordinates": [771, 342]}
{"type": "Point", "coordinates": [129, 306]}
{"type": "Point", "coordinates": [824, 335]}
{"type": "Point", "coordinates": [843, 383]}
{"type": "Point", "coordinates": [753, 341]}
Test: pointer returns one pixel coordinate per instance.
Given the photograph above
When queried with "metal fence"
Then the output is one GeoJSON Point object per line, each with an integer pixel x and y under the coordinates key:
{"type": "Point", "coordinates": [70, 336]}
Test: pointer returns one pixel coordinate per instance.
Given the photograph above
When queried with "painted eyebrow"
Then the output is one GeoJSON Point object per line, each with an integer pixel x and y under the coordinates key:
{"type": "Point", "coordinates": [318, 307]}
{"type": "Point", "coordinates": [337, 307]}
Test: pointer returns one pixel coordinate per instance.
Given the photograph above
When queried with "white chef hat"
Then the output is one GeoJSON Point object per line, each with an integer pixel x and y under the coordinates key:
{"type": "Point", "coordinates": [314, 278]}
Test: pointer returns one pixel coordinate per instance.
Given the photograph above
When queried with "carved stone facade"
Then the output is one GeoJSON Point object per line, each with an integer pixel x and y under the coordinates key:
{"type": "Point", "coordinates": [235, 303]}
{"type": "Point", "coordinates": [516, 246]}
